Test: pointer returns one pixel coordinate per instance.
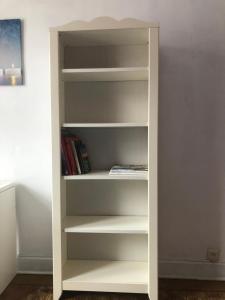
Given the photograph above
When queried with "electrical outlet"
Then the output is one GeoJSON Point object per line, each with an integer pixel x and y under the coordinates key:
{"type": "Point", "coordinates": [213, 255]}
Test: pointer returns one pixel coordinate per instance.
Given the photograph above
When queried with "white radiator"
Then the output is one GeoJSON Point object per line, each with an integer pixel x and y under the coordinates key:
{"type": "Point", "coordinates": [7, 234]}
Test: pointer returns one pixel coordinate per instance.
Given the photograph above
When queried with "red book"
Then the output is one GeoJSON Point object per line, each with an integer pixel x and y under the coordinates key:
{"type": "Point", "coordinates": [64, 147]}
{"type": "Point", "coordinates": [71, 157]}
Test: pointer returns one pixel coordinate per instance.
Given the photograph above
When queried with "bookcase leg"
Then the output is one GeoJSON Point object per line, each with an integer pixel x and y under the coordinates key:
{"type": "Point", "coordinates": [57, 295]}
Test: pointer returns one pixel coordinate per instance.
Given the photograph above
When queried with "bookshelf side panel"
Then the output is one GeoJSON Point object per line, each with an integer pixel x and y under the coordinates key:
{"type": "Point", "coordinates": [153, 163]}
{"type": "Point", "coordinates": [63, 184]}
{"type": "Point", "coordinates": [56, 176]}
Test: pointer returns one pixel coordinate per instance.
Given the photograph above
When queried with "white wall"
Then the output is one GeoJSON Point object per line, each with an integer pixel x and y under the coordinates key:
{"type": "Point", "coordinates": [192, 131]}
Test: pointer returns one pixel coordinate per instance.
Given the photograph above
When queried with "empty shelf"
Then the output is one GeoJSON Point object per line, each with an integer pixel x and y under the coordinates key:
{"type": "Point", "coordinates": [106, 74]}
{"type": "Point", "coordinates": [106, 276]}
{"type": "Point", "coordinates": [103, 125]}
{"type": "Point", "coordinates": [106, 224]}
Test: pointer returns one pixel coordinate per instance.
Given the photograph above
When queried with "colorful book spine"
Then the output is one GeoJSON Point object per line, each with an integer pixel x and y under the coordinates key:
{"type": "Point", "coordinates": [85, 159]}
{"type": "Point", "coordinates": [74, 155]}
{"type": "Point", "coordinates": [77, 143]}
{"type": "Point", "coordinates": [63, 163]}
{"type": "Point", "coordinates": [67, 164]}
{"type": "Point", "coordinates": [70, 155]}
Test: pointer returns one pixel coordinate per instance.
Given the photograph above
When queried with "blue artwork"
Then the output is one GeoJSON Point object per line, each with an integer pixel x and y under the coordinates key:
{"type": "Point", "coordinates": [10, 52]}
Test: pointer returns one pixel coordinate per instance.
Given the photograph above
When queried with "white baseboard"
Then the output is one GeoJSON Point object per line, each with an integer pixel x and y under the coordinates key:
{"type": "Point", "coordinates": [199, 270]}
{"type": "Point", "coordinates": [34, 265]}
{"type": "Point", "coordinates": [191, 270]}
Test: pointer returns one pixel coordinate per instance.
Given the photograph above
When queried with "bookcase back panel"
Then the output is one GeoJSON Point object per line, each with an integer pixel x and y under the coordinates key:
{"type": "Point", "coordinates": [107, 247]}
{"type": "Point", "coordinates": [110, 146]}
{"type": "Point", "coordinates": [111, 198]}
{"type": "Point", "coordinates": [96, 102]}
{"type": "Point", "coordinates": [135, 36]}
{"type": "Point", "coordinates": [105, 56]}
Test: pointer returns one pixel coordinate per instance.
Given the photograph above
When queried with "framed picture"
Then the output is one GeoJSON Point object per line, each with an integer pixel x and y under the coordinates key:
{"type": "Point", "coordinates": [11, 72]}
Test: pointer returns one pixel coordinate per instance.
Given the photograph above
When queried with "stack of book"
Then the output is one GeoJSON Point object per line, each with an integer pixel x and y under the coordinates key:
{"type": "Point", "coordinates": [74, 155]}
{"type": "Point", "coordinates": [129, 170]}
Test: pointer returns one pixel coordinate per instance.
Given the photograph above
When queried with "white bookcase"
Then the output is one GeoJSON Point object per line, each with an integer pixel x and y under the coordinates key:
{"type": "Point", "coordinates": [105, 89]}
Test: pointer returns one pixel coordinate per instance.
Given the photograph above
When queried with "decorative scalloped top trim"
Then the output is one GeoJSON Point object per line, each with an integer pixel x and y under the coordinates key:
{"type": "Point", "coordinates": [105, 23]}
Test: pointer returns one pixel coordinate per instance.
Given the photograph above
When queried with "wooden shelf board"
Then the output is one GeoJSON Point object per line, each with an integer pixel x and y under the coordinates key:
{"type": "Point", "coordinates": [106, 74]}
{"type": "Point", "coordinates": [111, 125]}
{"type": "Point", "coordinates": [106, 276]}
{"type": "Point", "coordinates": [106, 224]}
{"type": "Point", "coordinates": [104, 175]}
